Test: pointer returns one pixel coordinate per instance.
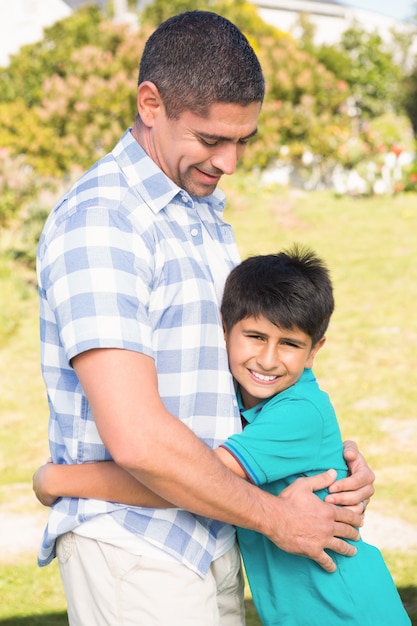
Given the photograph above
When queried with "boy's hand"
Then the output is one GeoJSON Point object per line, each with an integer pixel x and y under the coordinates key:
{"type": "Point", "coordinates": [40, 484]}
{"type": "Point", "coordinates": [356, 490]}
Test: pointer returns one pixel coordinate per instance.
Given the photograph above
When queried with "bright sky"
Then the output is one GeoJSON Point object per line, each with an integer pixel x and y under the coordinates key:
{"type": "Point", "coordinates": [399, 9]}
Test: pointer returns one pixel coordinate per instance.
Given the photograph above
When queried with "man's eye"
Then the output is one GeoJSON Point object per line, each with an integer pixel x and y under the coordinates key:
{"type": "Point", "coordinates": [208, 142]}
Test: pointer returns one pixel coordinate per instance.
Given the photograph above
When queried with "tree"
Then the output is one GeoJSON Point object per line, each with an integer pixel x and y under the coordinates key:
{"type": "Point", "coordinates": [71, 102]}
{"type": "Point", "coordinates": [410, 84]}
{"type": "Point", "coordinates": [410, 99]}
{"type": "Point", "coordinates": [303, 106]}
{"type": "Point", "coordinates": [240, 12]}
{"type": "Point", "coordinates": [373, 75]}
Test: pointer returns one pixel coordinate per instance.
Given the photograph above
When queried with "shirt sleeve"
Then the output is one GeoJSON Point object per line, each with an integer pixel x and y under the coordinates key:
{"type": "Point", "coordinates": [96, 277]}
{"type": "Point", "coordinates": [284, 439]}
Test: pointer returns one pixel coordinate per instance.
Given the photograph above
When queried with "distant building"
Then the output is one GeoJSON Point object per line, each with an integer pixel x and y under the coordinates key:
{"type": "Point", "coordinates": [329, 17]}
{"type": "Point", "coordinates": [22, 22]}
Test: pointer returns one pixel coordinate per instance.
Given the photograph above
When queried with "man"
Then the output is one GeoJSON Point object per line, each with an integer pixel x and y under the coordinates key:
{"type": "Point", "coordinates": [131, 268]}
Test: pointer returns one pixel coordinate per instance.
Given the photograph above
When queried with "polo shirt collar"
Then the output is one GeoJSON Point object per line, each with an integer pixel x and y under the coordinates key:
{"type": "Point", "coordinates": [249, 415]}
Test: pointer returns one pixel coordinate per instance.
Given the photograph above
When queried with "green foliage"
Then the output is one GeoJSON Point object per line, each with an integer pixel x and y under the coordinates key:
{"type": "Point", "coordinates": [240, 12]}
{"type": "Point", "coordinates": [14, 294]}
{"type": "Point", "coordinates": [73, 94]}
{"type": "Point", "coordinates": [17, 184]}
{"type": "Point", "coordinates": [303, 107]}
{"type": "Point", "coordinates": [374, 75]}
{"type": "Point", "coordinates": [410, 98]}
{"type": "Point", "coordinates": [389, 130]}
{"type": "Point", "coordinates": [88, 110]}
{"type": "Point", "coordinates": [410, 178]}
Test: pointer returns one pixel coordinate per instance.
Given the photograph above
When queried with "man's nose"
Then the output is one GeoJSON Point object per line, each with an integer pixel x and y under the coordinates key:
{"type": "Point", "coordinates": [226, 157]}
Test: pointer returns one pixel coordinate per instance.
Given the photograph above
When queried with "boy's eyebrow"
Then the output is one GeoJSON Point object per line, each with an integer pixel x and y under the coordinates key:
{"type": "Point", "coordinates": [221, 138]}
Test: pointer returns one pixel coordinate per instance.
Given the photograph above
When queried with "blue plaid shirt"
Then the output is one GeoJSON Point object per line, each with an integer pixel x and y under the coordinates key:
{"type": "Point", "coordinates": [121, 264]}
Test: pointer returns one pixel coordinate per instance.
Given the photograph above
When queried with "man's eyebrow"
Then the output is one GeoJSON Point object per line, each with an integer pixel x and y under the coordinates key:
{"type": "Point", "coordinates": [221, 138]}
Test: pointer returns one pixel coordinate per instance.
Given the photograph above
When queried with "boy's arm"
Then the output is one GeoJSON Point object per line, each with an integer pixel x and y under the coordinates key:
{"type": "Point", "coordinates": [227, 458]}
{"type": "Point", "coordinates": [102, 481]}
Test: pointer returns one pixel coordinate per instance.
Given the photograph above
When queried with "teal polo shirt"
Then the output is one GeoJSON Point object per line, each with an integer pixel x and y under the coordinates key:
{"type": "Point", "coordinates": [293, 434]}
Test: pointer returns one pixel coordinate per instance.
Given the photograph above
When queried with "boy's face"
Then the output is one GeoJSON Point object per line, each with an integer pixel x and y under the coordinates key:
{"type": "Point", "coordinates": [265, 359]}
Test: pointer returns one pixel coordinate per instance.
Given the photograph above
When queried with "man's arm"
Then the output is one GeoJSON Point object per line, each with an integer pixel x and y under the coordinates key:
{"type": "Point", "coordinates": [163, 454]}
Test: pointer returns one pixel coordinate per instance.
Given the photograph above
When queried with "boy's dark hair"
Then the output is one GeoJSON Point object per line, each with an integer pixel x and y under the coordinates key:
{"type": "Point", "coordinates": [199, 58]}
{"type": "Point", "coordinates": [292, 289]}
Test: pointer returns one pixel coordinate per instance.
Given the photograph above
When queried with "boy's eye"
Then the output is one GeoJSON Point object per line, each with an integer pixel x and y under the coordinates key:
{"type": "Point", "coordinates": [258, 337]}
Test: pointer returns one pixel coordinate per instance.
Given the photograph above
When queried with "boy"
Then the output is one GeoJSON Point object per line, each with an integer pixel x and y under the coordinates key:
{"type": "Point", "coordinates": [276, 309]}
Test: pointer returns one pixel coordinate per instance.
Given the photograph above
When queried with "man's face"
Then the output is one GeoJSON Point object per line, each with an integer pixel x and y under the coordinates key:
{"type": "Point", "coordinates": [196, 151]}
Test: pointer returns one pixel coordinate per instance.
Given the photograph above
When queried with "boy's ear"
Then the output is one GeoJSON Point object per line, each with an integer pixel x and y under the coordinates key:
{"type": "Point", "coordinates": [311, 356]}
{"type": "Point", "coordinates": [149, 102]}
{"type": "Point", "coordinates": [224, 329]}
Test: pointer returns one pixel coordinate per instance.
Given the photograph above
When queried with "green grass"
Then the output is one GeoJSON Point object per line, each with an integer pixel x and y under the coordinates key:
{"type": "Point", "coordinates": [367, 365]}
{"type": "Point", "coordinates": [30, 595]}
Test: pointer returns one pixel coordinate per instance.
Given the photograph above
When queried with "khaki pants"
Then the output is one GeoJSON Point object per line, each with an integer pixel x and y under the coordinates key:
{"type": "Point", "coordinates": [106, 586]}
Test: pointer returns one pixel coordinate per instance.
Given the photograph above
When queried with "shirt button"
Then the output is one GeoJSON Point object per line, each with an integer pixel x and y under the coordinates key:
{"type": "Point", "coordinates": [194, 232]}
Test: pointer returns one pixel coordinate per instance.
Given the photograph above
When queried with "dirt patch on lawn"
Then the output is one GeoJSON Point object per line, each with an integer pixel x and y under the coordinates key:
{"type": "Point", "coordinates": [21, 534]}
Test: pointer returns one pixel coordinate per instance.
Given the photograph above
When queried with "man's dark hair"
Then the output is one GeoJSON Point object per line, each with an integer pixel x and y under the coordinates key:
{"type": "Point", "coordinates": [199, 58]}
{"type": "Point", "coordinates": [292, 289]}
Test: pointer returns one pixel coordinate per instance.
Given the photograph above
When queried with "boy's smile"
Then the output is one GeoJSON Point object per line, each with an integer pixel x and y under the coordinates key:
{"type": "Point", "coordinates": [265, 359]}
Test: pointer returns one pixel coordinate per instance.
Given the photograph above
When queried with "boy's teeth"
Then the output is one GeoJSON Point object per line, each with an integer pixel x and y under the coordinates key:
{"type": "Point", "coordinates": [263, 377]}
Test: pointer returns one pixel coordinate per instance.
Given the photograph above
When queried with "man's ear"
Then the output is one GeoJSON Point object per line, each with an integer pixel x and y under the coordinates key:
{"type": "Point", "coordinates": [149, 102]}
{"type": "Point", "coordinates": [314, 350]}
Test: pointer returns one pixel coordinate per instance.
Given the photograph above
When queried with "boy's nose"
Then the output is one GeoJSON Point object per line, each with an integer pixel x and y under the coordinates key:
{"type": "Point", "coordinates": [268, 358]}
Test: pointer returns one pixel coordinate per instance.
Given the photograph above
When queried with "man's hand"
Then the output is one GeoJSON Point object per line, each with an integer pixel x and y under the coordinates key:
{"type": "Point", "coordinates": [40, 485]}
{"type": "Point", "coordinates": [308, 525]}
{"type": "Point", "coordinates": [356, 490]}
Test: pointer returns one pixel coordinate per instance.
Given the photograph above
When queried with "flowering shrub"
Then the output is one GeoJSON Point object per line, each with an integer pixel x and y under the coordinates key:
{"type": "Point", "coordinates": [410, 177]}
{"type": "Point", "coordinates": [17, 184]}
